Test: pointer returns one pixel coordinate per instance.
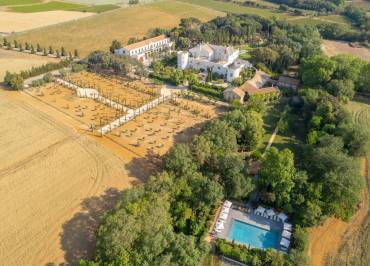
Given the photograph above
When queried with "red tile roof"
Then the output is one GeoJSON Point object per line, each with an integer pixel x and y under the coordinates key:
{"type": "Point", "coordinates": [145, 42]}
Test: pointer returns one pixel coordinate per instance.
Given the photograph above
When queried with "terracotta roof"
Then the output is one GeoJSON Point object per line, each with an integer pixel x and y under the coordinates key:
{"type": "Point", "coordinates": [259, 79]}
{"type": "Point", "coordinates": [145, 42]}
{"type": "Point", "coordinates": [251, 90]}
{"type": "Point", "coordinates": [237, 91]}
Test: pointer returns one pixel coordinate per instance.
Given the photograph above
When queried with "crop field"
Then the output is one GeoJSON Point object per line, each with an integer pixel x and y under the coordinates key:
{"type": "Point", "coordinates": [92, 114]}
{"type": "Point", "coordinates": [54, 185]}
{"type": "Point", "coordinates": [18, 2]}
{"type": "Point", "coordinates": [58, 5]}
{"type": "Point", "coordinates": [121, 24]}
{"type": "Point", "coordinates": [332, 48]}
{"type": "Point", "coordinates": [18, 22]}
{"type": "Point", "coordinates": [153, 133]}
{"type": "Point", "coordinates": [234, 8]}
{"type": "Point", "coordinates": [15, 61]}
{"type": "Point", "coordinates": [131, 94]}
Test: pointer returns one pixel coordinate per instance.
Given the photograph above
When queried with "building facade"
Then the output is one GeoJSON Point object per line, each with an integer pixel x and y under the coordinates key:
{"type": "Point", "coordinates": [141, 50]}
{"type": "Point", "coordinates": [220, 59]}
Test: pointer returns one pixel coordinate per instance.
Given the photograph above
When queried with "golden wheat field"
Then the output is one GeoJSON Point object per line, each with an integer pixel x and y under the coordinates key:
{"type": "Point", "coordinates": [17, 22]}
{"type": "Point", "coordinates": [16, 61]}
{"type": "Point", "coordinates": [54, 184]}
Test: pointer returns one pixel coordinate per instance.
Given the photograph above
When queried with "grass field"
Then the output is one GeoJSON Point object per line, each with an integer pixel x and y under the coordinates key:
{"type": "Point", "coordinates": [48, 6]}
{"type": "Point", "coordinates": [18, 2]}
{"type": "Point", "coordinates": [97, 32]}
{"type": "Point", "coordinates": [229, 7]}
{"type": "Point", "coordinates": [36, 6]}
{"type": "Point", "coordinates": [312, 20]}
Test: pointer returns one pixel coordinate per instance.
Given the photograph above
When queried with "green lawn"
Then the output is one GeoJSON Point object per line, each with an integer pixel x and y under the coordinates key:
{"type": "Point", "coordinates": [230, 7]}
{"type": "Point", "coordinates": [338, 19]}
{"type": "Point", "coordinates": [18, 2]}
{"type": "Point", "coordinates": [57, 5]}
{"type": "Point", "coordinates": [290, 140]}
{"type": "Point", "coordinates": [49, 6]}
{"type": "Point", "coordinates": [97, 8]}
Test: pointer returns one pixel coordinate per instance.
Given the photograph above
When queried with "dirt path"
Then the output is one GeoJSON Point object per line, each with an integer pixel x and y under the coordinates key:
{"type": "Point", "coordinates": [326, 239]}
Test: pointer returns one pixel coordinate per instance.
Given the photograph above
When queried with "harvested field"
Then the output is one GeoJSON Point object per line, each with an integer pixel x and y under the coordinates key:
{"type": "Point", "coordinates": [54, 185]}
{"type": "Point", "coordinates": [332, 48]}
{"type": "Point", "coordinates": [131, 94]}
{"type": "Point", "coordinates": [16, 22]}
{"type": "Point", "coordinates": [15, 61]}
{"type": "Point", "coordinates": [92, 115]}
{"type": "Point", "coordinates": [153, 133]}
{"type": "Point", "coordinates": [121, 24]}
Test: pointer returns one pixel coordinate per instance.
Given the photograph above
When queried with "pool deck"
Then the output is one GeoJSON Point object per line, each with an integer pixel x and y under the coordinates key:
{"type": "Point", "coordinates": [249, 218]}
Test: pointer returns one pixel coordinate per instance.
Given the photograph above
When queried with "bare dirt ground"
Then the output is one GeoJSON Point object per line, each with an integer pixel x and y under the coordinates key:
{"type": "Point", "coordinates": [18, 22]}
{"type": "Point", "coordinates": [325, 240]}
{"type": "Point", "coordinates": [332, 48]}
{"type": "Point", "coordinates": [90, 113]}
{"type": "Point", "coordinates": [55, 183]}
{"type": "Point", "coordinates": [16, 61]}
{"type": "Point", "coordinates": [132, 94]}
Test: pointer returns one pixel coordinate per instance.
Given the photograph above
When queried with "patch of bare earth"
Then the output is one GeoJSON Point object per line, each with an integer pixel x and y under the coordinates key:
{"type": "Point", "coordinates": [332, 48]}
{"type": "Point", "coordinates": [18, 22]}
{"type": "Point", "coordinates": [13, 61]}
{"type": "Point", "coordinates": [325, 240]}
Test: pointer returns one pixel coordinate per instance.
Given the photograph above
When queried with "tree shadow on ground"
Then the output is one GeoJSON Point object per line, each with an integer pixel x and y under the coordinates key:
{"type": "Point", "coordinates": [78, 236]}
{"type": "Point", "coordinates": [144, 167]}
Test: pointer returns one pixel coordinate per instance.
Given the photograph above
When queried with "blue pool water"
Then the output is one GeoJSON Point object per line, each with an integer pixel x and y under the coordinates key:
{"type": "Point", "coordinates": [254, 236]}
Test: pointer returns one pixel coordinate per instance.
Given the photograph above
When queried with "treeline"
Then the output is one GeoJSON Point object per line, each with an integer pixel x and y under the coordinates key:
{"type": "Point", "coordinates": [164, 222]}
{"type": "Point", "coordinates": [38, 49]}
{"type": "Point", "coordinates": [99, 61]}
{"type": "Point", "coordinates": [322, 6]}
{"type": "Point", "coordinates": [335, 31]}
{"type": "Point", "coordinates": [358, 16]}
{"type": "Point", "coordinates": [340, 75]}
{"type": "Point", "coordinates": [279, 44]}
{"type": "Point", "coordinates": [15, 80]}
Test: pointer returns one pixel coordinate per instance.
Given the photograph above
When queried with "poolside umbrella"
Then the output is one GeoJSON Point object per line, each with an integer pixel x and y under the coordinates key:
{"type": "Point", "coordinates": [286, 234]}
{"type": "Point", "coordinates": [287, 226]}
{"type": "Point", "coordinates": [282, 216]}
{"type": "Point", "coordinates": [223, 216]}
{"type": "Point", "coordinates": [270, 213]}
{"type": "Point", "coordinates": [285, 242]}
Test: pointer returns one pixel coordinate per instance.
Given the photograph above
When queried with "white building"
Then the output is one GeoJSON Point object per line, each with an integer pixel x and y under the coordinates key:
{"type": "Point", "coordinates": [141, 50]}
{"type": "Point", "coordinates": [221, 59]}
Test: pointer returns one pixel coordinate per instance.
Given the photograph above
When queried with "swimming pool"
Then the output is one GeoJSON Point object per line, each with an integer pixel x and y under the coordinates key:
{"type": "Point", "coordinates": [254, 236]}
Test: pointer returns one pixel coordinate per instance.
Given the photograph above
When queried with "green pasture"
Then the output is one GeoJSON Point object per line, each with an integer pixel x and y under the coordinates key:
{"type": "Point", "coordinates": [18, 2]}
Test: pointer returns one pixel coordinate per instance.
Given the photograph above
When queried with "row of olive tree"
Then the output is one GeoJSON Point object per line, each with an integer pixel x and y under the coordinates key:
{"type": "Point", "coordinates": [38, 49]}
